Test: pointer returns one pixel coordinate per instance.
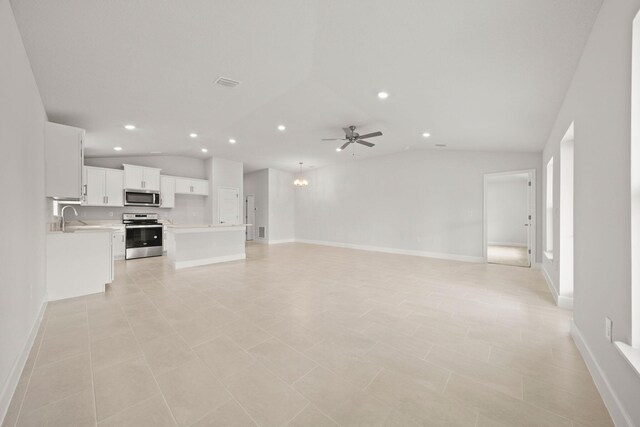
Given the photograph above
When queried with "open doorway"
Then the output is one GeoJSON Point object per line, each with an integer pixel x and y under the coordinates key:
{"type": "Point", "coordinates": [509, 223]}
{"type": "Point", "coordinates": [250, 216]}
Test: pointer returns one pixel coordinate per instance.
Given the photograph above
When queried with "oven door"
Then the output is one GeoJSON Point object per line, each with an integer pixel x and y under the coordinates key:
{"type": "Point", "coordinates": [141, 198]}
{"type": "Point", "coordinates": [143, 241]}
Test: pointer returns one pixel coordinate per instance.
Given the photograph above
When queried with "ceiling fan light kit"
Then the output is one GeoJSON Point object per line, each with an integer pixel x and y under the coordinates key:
{"type": "Point", "coordinates": [351, 136]}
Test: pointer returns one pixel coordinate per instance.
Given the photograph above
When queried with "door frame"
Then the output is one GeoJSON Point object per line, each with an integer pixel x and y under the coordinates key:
{"type": "Point", "coordinates": [246, 217]}
{"type": "Point", "coordinates": [239, 202]}
{"type": "Point", "coordinates": [532, 208]}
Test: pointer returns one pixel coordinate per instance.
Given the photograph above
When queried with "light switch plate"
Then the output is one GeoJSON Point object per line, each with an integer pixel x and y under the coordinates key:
{"type": "Point", "coordinates": [608, 329]}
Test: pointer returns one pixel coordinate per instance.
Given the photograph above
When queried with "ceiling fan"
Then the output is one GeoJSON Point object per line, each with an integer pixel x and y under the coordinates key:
{"type": "Point", "coordinates": [351, 136]}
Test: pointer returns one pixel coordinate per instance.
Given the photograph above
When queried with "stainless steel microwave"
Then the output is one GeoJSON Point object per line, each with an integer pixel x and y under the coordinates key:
{"type": "Point", "coordinates": [141, 198]}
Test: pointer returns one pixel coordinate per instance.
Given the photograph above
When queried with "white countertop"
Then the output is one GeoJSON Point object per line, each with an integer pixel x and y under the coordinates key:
{"type": "Point", "coordinates": [204, 225]}
{"type": "Point", "coordinates": [205, 228]}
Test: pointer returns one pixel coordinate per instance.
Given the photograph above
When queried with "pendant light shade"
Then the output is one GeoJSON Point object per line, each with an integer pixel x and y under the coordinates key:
{"type": "Point", "coordinates": [300, 181]}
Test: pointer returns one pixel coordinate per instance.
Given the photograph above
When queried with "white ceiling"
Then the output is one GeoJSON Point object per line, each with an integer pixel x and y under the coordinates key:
{"type": "Point", "coordinates": [483, 75]}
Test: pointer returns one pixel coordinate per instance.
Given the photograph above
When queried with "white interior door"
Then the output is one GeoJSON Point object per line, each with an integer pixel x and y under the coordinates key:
{"type": "Point", "coordinates": [250, 210]}
{"type": "Point", "coordinates": [228, 206]}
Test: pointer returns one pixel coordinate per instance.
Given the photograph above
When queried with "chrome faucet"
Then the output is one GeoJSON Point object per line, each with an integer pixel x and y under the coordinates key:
{"type": "Point", "coordinates": [62, 215]}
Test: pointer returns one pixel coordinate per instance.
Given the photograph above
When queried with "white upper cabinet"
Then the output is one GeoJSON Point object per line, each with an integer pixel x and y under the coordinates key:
{"type": "Point", "coordinates": [114, 187]}
{"type": "Point", "coordinates": [167, 191]}
{"type": "Point", "coordinates": [198, 187]}
{"type": "Point", "coordinates": [103, 187]}
{"type": "Point", "coordinates": [63, 161]}
{"type": "Point", "coordinates": [94, 184]}
{"type": "Point", "coordinates": [141, 178]}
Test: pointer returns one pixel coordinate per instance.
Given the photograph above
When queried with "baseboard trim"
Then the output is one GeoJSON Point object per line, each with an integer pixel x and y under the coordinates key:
{"type": "Point", "coordinates": [451, 257]}
{"type": "Point", "coordinates": [10, 386]}
{"type": "Point", "coordinates": [207, 261]}
{"type": "Point", "coordinates": [513, 244]}
{"type": "Point", "coordinates": [620, 417]}
{"type": "Point", "coordinates": [277, 242]}
{"type": "Point", "coordinates": [561, 300]}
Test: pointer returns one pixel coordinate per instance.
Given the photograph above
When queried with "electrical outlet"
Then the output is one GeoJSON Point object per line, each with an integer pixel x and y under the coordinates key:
{"type": "Point", "coordinates": [608, 323]}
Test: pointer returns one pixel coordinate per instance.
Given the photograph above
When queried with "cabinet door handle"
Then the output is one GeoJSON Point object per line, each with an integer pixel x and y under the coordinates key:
{"type": "Point", "coordinates": [107, 197]}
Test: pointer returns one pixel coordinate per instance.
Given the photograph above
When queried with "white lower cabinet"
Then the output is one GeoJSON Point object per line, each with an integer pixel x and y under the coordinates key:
{"type": "Point", "coordinates": [78, 263]}
{"type": "Point", "coordinates": [119, 245]}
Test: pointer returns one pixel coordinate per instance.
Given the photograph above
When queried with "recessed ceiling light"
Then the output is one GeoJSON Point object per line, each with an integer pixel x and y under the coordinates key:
{"type": "Point", "coordinates": [426, 135]}
{"type": "Point", "coordinates": [129, 127]}
{"type": "Point", "coordinates": [281, 127]}
{"type": "Point", "coordinates": [338, 149]}
{"type": "Point", "coordinates": [232, 141]}
{"type": "Point", "coordinates": [193, 135]}
{"type": "Point", "coordinates": [204, 150]}
{"type": "Point", "coordinates": [383, 95]}
{"type": "Point", "coordinates": [117, 148]}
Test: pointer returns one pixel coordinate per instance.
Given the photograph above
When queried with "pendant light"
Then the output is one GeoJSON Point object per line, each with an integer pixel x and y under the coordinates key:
{"type": "Point", "coordinates": [300, 181]}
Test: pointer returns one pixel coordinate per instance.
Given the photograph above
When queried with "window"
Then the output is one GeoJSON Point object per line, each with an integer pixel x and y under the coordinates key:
{"type": "Point", "coordinates": [549, 211]}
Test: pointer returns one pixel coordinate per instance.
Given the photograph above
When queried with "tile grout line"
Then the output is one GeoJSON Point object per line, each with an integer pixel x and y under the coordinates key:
{"type": "Point", "coordinates": [93, 383]}
{"type": "Point", "coordinates": [227, 389]}
{"type": "Point", "coordinates": [44, 330]}
{"type": "Point", "coordinates": [144, 355]}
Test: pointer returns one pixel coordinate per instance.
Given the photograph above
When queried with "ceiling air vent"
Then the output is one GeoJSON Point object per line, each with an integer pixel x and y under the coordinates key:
{"type": "Point", "coordinates": [223, 81]}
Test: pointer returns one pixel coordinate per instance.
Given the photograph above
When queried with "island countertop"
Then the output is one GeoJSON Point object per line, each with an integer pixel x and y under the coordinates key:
{"type": "Point", "coordinates": [204, 228]}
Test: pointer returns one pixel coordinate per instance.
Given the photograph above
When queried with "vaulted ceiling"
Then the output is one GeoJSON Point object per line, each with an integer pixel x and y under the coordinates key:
{"type": "Point", "coordinates": [480, 75]}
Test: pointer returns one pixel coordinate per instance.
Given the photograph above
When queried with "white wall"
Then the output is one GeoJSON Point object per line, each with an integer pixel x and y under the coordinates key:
{"type": "Point", "coordinates": [426, 201]}
{"type": "Point", "coordinates": [187, 210]}
{"type": "Point", "coordinates": [222, 173]}
{"type": "Point", "coordinates": [507, 210]}
{"type": "Point", "coordinates": [281, 206]}
{"type": "Point", "coordinates": [257, 183]}
{"type": "Point", "coordinates": [599, 102]}
{"type": "Point", "coordinates": [22, 254]}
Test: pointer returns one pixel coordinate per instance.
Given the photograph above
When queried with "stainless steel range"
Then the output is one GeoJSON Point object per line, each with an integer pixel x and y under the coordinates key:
{"type": "Point", "coordinates": [143, 235]}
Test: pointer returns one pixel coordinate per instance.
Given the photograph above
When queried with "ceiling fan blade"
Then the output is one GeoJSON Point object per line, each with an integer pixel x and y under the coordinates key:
{"type": "Point", "coordinates": [367, 143]}
{"type": "Point", "coordinates": [333, 139]}
{"type": "Point", "coordinates": [346, 144]}
{"type": "Point", "coordinates": [347, 131]}
{"type": "Point", "coordinates": [370, 135]}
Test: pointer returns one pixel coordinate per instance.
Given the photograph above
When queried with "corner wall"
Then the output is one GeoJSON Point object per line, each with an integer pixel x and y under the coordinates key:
{"type": "Point", "coordinates": [222, 173]}
{"type": "Point", "coordinates": [599, 103]}
{"type": "Point", "coordinates": [275, 204]}
{"type": "Point", "coordinates": [22, 254]}
{"type": "Point", "coordinates": [257, 184]}
{"type": "Point", "coordinates": [282, 194]}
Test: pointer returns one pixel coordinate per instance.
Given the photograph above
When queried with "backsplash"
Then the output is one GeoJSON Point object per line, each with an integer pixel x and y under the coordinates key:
{"type": "Point", "coordinates": [188, 210]}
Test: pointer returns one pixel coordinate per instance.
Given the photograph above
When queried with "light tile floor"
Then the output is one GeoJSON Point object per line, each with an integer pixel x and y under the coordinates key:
{"type": "Point", "coordinates": [307, 335]}
{"type": "Point", "coordinates": [508, 255]}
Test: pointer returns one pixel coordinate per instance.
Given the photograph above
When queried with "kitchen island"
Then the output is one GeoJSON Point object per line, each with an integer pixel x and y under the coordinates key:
{"type": "Point", "coordinates": [194, 245]}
